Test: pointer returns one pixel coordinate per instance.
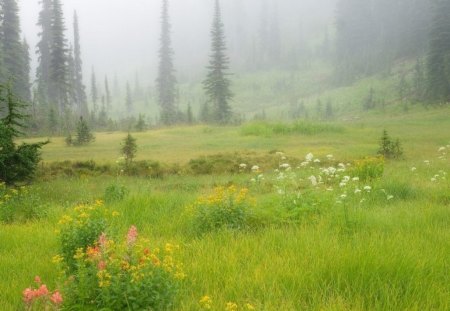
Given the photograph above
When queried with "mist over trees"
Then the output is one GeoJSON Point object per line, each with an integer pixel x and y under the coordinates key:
{"type": "Point", "coordinates": [342, 40]}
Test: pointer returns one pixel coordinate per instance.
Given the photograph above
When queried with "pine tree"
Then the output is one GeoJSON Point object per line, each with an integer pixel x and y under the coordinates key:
{"type": "Point", "coordinates": [166, 81]}
{"type": "Point", "coordinates": [141, 125]}
{"type": "Point", "coordinates": [129, 149]}
{"type": "Point", "coordinates": [84, 135]}
{"type": "Point", "coordinates": [59, 85]}
{"type": "Point", "coordinates": [44, 52]}
{"type": "Point", "coordinates": [128, 99]}
{"type": "Point", "coordinates": [107, 94]}
{"type": "Point", "coordinates": [94, 92]}
{"type": "Point", "coordinates": [217, 86]}
{"type": "Point", "coordinates": [26, 71]}
{"type": "Point", "coordinates": [14, 60]}
{"type": "Point", "coordinates": [439, 54]}
{"type": "Point", "coordinates": [80, 89]}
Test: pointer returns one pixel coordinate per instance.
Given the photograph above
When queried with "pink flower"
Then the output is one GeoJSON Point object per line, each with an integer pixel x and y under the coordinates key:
{"type": "Point", "coordinates": [56, 298]}
{"type": "Point", "coordinates": [43, 290]}
{"type": "Point", "coordinates": [37, 279]}
{"type": "Point", "coordinates": [132, 235]}
{"type": "Point", "coordinates": [101, 265]}
{"type": "Point", "coordinates": [28, 295]}
{"type": "Point", "coordinates": [102, 240]}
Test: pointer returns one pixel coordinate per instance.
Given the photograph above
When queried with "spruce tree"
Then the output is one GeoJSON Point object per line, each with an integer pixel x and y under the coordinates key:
{"type": "Point", "coordinates": [128, 100]}
{"type": "Point", "coordinates": [166, 81]}
{"type": "Point", "coordinates": [26, 71]}
{"type": "Point", "coordinates": [217, 85]}
{"type": "Point", "coordinates": [129, 149]}
{"type": "Point", "coordinates": [107, 94]}
{"type": "Point", "coordinates": [439, 54]}
{"type": "Point", "coordinates": [80, 89]}
{"type": "Point", "coordinates": [83, 135]}
{"type": "Point", "coordinates": [94, 92]}
{"type": "Point", "coordinates": [13, 52]}
{"type": "Point", "coordinates": [59, 85]}
{"type": "Point", "coordinates": [44, 53]}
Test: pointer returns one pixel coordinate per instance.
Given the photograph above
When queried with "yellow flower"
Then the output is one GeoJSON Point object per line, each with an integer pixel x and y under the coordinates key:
{"type": "Point", "coordinates": [57, 259]}
{"type": "Point", "coordinates": [99, 202]}
{"type": "Point", "coordinates": [249, 306]}
{"type": "Point", "coordinates": [206, 302]}
{"type": "Point", "coordinates": [79, 254]}
{"type": "Point", "coordinates": [231, 306]}
{"type": "Point", "coordinates": [115, 214]}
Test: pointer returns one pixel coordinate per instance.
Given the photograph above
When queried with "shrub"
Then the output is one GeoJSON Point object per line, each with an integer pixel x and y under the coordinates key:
{"type": "Point", "coordinates": [369, 168]}
{"type": "Point", "coordinates": [388, 148]}
{"type": "Point", "coordinates": [115, 193]}
{"type": "Point", "coordinates": [129, 149]}
{"type": "Point", "coordinates": [123, 276]}
{"type": "Point", "coordinates": [80, 228]}
{"type": "Point", "coordinates": [19, 204]}
{"type": "Point", "coordinates": [225, 208]}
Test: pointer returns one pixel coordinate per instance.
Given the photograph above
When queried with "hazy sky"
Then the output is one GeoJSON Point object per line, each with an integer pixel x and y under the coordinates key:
{"type": "Point", "coordinates": [121, 36]}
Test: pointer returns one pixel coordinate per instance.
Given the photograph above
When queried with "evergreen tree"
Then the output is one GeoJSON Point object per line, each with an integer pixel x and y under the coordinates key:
{"type": "Point", "coordinates": [14, 60]}
{"type": "Point", "coordinates": [44, 52]}
{"type": "Point", "coordinates": [59, 85]}
{"type": "Point", "coordinates": [141, 125]}
{"type": "Point", "coordinates": [217, 86]}
{"type": "Point", "coordinates": [71, 76]}
{"type": "Point", "coordinates": [26, 71]}
{"type": "Point", "coordinates": [189, 114]}
{"type": "Point", "coordinates": [80, 89]}
{"type": "Point", "coordinates": [129, 149]}
{"type": "Point", "coordinates": [84, 135]}
{"type": "Point", "coordinates": [166, 81]}
{"type": "Point", "coordinates": [107, 94]}
{"type": "Point", "coordinates": [128, 99]}
{"type": "Point", "coordinates": [439, 54]}
{"type": "Point", "coordinates": [94, 92]}
{"type": "Point", "coordinates": [419, 81]}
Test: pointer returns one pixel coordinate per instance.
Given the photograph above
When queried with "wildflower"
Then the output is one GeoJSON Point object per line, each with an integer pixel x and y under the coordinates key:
{"type": "Point", "coordinates": [57, 259]}
{"type": "Point", "coordinates": [101, 265]}
{"type": "Point", "coordinates": [206, 302]}
{"type": "Point", "coordinates": [355, 179]}
{"type": "Point", "coordinates": [357, 190]}
{"type": "Point", "coordinates": [102, 240]}
{"type": "Point", "coordinates": [132, 235]}
{"type": "Point", "coordinates": [413, 169]}
{"type": "Point", "coordinates": [329, 189]}
{"type": "Point", "coordinates": [342, 184]}
{"type": "Point", "coordinates": [329, 156]}
{"type": "Point", "coordinates": [255, 168]}
{"type": "Point", "coordinates": [56, 298]}
{"type": "Point", "coordinates": [28, 295]}
{"type": "Point", "coordinates": [309, 157]}
{"type": "Point", "coordinates": [316, 161]}
{"type": "Point", "coordinates": [346, 179]}
{"type": "Point", "coordinates": [115, 214]}
{"type": "Point", "coordinates": [367, 188]}
{"type": "Point", "coordinates": [303, 164]}
{"type": "Point", "coordinates": [249, 306]}
{"type": "Point", "coordinates": [341, 165]}
{"type": "Point", "coordinates": [283, 158]}
{"type": "Point", "coordinates": [389, 197]}
{"type": "Point", "coordinates": [285, 166]}
{"type": "Point", "coordinates": [433, 179]}
{"type": "Point", "coordinates": [343, 196]}
{"type": "Point", "coordinates": [313, 180]}
{"type": "Point", "coordinates": [37, 279]}
{"type": "Point", "coordinates": [278, 153]}
{"type": "Point", "coordinates": [43, 290]}
{"type": "Point", "coordinates": [242, 166]}
{"type": "Point", "coordinates": [231, 306]}
{"type": "Point", "coordinates": [427, 162]}
{"type": "Point", "coordinates": [442, 149]}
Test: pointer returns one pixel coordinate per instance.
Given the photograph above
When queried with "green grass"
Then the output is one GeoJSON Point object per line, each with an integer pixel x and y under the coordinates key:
{"type": "Point", "coordinates": [379, 255]}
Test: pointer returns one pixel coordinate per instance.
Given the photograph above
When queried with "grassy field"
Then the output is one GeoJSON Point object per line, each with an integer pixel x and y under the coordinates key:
{"type": "Point", "coordinates": [323, 247]}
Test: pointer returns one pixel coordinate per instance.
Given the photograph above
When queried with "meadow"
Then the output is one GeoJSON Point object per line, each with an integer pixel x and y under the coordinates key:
{"type": "Point", "coordinates": [327, 226]}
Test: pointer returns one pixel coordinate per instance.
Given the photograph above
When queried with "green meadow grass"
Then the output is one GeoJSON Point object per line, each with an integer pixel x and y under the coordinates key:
{"type": "Point", "coordinates": [380, 255]}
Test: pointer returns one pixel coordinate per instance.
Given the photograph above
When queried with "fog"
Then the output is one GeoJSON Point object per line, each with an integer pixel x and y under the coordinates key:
{"type": "Point", "coordinates": [121, 37]}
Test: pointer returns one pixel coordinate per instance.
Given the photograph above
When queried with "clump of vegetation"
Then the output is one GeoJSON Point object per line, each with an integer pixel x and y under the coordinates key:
{"type": "Point", "coordinates": [41, 298]}
{"type": "Point", "coordinates": [19, 205]}
{"type": "Point", "coordinates": [115, 193]}
{"type": "Point", "coordinates": [17, 163]}
{"type": "Point", "coordinates": [81, 228]}
{"type": "Point", "coordinates": [369, 168]}
{"type": "Point", "coordinates": [389, 148]}
{"type": "Point", "coordinates": [225, 208]}
{"type": "Point", "coordinates": [123, 275]}
{"type": "Point", "coordinates": [299, 127]}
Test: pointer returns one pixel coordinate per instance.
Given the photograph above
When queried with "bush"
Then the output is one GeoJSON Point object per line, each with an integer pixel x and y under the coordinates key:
{"type": "Point", "coordinates": [19, 205]}
{"type": "Point", "coordinates": [225, 208]}
{"type": "Point", "coordinates": [115, 193]}
{"type": "Point", "coordinates": [123, 276]}
{"type": "Point", "coordinates": [80, 228]}
{"type": "Point", "coordinates": [369, 168]}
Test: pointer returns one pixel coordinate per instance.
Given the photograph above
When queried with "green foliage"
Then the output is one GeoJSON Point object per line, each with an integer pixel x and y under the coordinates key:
{"type": "Point", "coordinates": [299, 127]}
{"type": "Point", "coordinates": [19, 205]}
{"type": "Point", "coordinates": [388, 148]}
{"type": "Point", "coordinates": [115, 193]}
{"type": "Point", "coordinates": [129, 149]}
{"type": "Point", "coordinates": [225, 208]}
{"type": "Point", "coordinates": [80, 228]}
{"type": "Point", "coordinates": [83, 134]}
{"type": "Point", "coordinates": [124, 275]}
{"type": "Point", "coordinates": [17, 163]}
{"type": "Point", "coordinates": [368, 168]}
{"type": "Point", "coordinates": [141, 125]}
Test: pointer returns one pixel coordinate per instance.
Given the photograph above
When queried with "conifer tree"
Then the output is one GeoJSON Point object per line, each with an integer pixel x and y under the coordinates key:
{"type": "Point", "coordinates": [129, 149]}
{"type": "Point", "coordinates": [217, 85]}
{"type": "Point", "coordinates": [44, 52]}
{"type": "Point", "coordinates": [439, 54]}
{"type": "Point", "coordinates": [59, 85]}
{"type": "Point", "coordinates": [80, 89]}
{"type": "Point", "coordinates": [13, 53]}
{"type": "Point", "coordinates": [26, 71]}
{"type": "Point", "coordinates": [166, 81]}
{"type": "Point", "coordinates": [108, 99]}
{"type": "Point", "coordinates": [94, 92]}
{"type": "Point", "coordinates": [128, 99]}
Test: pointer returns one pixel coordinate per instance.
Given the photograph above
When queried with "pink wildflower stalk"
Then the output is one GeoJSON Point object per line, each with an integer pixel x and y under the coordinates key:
{"type": "Point", "coordinates": [56, 298]}
{"type": "Point", "coordinates": [132, 235]}
{"type": "Point", "coordinates": [102, 240]}
{"type": "Point", "coordinates": [28, 295]}
{"type": "Point", "coordinates": [37, 279]}
{"type": "Point", "coordinates": [43, 290]}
